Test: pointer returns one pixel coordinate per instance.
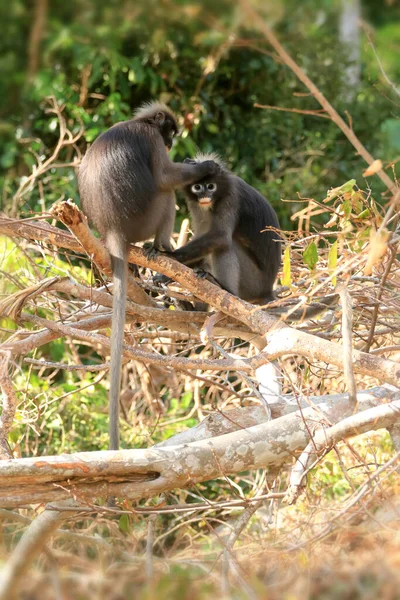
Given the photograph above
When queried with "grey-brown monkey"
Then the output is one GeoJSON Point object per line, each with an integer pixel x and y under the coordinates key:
{"type": "Point", "coordinates": [126, 184]}
{"type": "Point", "coordinates": [228, 219]}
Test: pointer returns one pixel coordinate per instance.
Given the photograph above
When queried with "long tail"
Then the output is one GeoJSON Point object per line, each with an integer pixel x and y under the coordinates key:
{"type": "Point", "coordinates": [118, 251]}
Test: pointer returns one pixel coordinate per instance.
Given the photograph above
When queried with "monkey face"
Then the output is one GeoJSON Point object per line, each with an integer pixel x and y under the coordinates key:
{"type": "Point", "coordinates": [160, 116]}
{"type": "Point", "coordinates": [167, 127]}
{"type": "Point", "coordinates": [203, 193]}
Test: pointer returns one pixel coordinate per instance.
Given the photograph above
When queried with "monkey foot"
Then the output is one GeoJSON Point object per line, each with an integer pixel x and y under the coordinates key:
{"type": "Point", "coordinates": [151, 252]}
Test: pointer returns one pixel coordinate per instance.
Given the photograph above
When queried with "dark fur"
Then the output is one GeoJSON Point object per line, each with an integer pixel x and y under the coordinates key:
{"type": "Point", "coordinates": [126, 184]}
{"type": "Point", "coordinates": [228, 240]}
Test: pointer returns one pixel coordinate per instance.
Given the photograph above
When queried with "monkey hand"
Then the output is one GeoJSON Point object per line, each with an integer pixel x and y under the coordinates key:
{"type": "Point", "coordinates": [207, 167]}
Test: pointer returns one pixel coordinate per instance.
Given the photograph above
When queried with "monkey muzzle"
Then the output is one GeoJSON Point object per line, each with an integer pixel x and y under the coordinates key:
{"type": "Point", "coordinates": [205, 201]}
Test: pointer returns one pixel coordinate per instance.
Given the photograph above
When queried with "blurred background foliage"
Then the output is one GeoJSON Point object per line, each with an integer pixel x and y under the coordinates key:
{"type": "Point", "coordinates": [101, 59]}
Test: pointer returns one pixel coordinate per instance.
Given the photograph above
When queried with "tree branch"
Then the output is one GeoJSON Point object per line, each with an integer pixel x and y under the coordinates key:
{"type": "Point", "coordinates": [280, 339]}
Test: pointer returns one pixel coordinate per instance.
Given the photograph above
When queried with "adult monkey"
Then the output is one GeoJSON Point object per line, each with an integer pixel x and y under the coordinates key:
{"type": "Point", "coordinates": [228, 217]}
{"type": "Point", "coordinates": [126, 184]}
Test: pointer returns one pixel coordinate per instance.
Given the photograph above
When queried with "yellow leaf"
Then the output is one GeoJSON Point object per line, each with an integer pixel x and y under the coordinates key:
{"type": "Point", "coordinates": [286, 275]}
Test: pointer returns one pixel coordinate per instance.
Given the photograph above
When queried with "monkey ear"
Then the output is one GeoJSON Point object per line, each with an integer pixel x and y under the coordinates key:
{"type": "Point", "coordinates": [159, 118]}
{"type": "Point", "coordinates": [189, 161]}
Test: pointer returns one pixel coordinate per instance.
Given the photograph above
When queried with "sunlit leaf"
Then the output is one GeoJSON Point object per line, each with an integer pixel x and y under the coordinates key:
{"type": "Point", "coordinates": [286, 275]}
{"type": "Point", "coordinates": [343, 189]}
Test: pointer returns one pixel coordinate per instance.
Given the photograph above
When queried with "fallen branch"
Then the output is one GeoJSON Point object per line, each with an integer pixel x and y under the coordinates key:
{"type": "Point", "coordinates": [136, 474]}
{"type": "Point", "coordinates": [232, 419]}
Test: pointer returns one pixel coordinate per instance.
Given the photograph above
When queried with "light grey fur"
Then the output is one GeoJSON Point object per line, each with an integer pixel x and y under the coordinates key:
{"type": "Point", "coordinates": [214, 156]}
{"type": "Point", "coordinates": [149, 109]}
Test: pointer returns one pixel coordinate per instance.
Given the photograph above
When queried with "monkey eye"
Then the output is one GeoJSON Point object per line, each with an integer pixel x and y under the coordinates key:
{"type": "Point", "coordinates": [211, 187]}
{"type": "Point", "coordinates": [196, 187]}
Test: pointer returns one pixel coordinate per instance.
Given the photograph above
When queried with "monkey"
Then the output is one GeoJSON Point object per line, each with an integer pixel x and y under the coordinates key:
{"type": "Point", "coordinates": [228, 219]}
{"type": "Point", "coordinates": [232, 244]}
{"type": "Point", "coordinates": [126, 184]}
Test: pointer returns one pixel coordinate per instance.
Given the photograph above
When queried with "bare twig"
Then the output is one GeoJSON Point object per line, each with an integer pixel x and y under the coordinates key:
{"type": "Point", "coordinates": [314, 113]}
{"type": "Point", "coordinates": [9, 405]}
{"type": "Point", "coordinates": [347, 335]}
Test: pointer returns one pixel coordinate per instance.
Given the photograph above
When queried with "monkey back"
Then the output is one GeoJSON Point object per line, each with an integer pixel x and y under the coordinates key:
{"type": "Point", "coordinates": [116, 181]}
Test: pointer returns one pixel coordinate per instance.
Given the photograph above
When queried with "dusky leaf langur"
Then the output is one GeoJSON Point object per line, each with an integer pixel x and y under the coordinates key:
{"type": "Point", "coordinates": [228, 219]}
{"type": "Point", "coordinates": [126, 185]}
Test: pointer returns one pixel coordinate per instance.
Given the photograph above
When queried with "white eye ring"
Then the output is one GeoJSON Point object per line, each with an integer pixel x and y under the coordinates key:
{"type": "Point", "coordinates": [211, 187]}
{"type": "Point", "coordinates": [196, 188]}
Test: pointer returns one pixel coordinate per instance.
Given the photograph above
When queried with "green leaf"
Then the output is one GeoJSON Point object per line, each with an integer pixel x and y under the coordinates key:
{"type": "Point", "coordinates": [343, 189]}
{"type": "Point", "coordinates": [186, 399]}
{"type": "Point", "coordinates": [332, 260]}
{"type": "Point", "coordinates": [124, 524]}
{"type": "Point", "coordinates": [364, 214]}
{"type": "Point", "coordinates": [347, 187]}
{"type": "Point", "coordinates": [310, 255]}
{"type": "Point", "coordinates": [286, 275]}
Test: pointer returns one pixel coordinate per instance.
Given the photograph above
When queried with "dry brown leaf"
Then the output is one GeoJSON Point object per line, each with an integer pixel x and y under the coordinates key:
{"type": "Point", "coordinates": [378, 244]}
{"type": "Point", "coordinates": [373, 168]}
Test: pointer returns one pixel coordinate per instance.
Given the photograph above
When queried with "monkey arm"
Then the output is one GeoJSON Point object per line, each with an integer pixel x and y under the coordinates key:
{"type": "Point", "coordinates": [175, 175]}
{"type": "Point", "coordinates": [199, 247]}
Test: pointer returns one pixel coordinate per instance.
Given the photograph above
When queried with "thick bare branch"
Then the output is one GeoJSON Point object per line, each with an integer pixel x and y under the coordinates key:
{"type": "Point", "coordinates": [233, 419]}
{"type": "Point", "coordinates": [373, 418]}
{"type": "Point", "coordinates": [135, 474]}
